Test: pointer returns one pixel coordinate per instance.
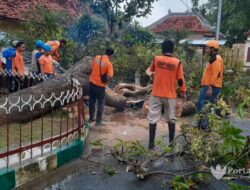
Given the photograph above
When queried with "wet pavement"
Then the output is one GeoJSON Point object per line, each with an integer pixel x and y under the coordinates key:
{"type": "Point", "coordinates": [128, 125]}
{"type": "Point", "coordinates": [99, 180]}
{"type": "Point", "coordinates": [87, 173]}
{"type": "Point", "coordinates": [92, 177]}
{"type": "Point", "coordinates": [243, 124]}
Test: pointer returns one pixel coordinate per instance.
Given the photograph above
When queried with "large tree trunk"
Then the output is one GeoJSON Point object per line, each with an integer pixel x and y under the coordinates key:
{"type": "Point", "coordinates": [57, 86]}
{"type": "Point", "coordinates": [130, 90]}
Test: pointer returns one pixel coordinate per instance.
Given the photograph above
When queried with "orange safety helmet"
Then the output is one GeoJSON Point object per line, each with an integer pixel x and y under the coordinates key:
{"type": "Point", "coordinates": [213, 43]}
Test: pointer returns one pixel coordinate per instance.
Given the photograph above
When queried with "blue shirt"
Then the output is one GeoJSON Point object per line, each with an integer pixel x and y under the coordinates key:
{"type": "Point", "coordinates": [8, 54]}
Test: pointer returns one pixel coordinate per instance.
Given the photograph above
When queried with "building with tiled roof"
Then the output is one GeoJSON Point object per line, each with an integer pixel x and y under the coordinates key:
{"type": "Point", "coordinates": [196, 26]}
{"type": "Point", "coordinates": [17, 9]}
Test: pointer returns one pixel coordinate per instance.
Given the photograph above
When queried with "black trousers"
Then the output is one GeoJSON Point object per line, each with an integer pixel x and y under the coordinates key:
{"type": "Point", "coordinates": [96, 93]}
{"type": "Point", "coordinates": [18, 83]}
{"type": "Point", "coordinates": [10, 84]}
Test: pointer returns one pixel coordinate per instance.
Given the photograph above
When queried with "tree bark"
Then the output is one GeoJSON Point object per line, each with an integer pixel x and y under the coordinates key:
{"type": "Point", "coordinates": [58, 85]}
{"type": "Point", "coordinates": [129, 90]}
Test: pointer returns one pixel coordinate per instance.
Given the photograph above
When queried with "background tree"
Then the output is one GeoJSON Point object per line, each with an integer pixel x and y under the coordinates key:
{"type": "Point", "coordinates": [48, 25]}
{"type": "Point", "coordinates": [86, 29]}
{"type": "Point", "coordinates": [116, 12]}
{"type": "Point", "coordinates": [176, 36]}
{"type": "Point", "coordinates": [45, 24]}
{"type": "Point", "coordinates": [234, 18]}
{"type": "Point", "coordinates": [135, 34]}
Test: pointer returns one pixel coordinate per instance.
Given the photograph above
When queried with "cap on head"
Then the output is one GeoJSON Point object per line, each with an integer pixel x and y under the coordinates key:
{"type": "Point", "coordinates": [39, 44]}
{"type": "Point", "coordinates": [213, 44]}
{"type": "Point", "coordinates": [47, 47]}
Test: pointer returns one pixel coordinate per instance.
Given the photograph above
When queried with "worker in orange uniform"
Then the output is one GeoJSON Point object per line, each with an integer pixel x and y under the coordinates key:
{"type": "Point", "coordinates": [211, 81]}
{"type": "Point", "coordinates": [46, 62]}
{"type": "Point", "coordinates": [18, 66]}
{"type": "Point", "coordinates": [55, 45]}
{"type": "Point", "coordinates": [101, 73]}
{"type": "Point", "coordinates": [167, 71]}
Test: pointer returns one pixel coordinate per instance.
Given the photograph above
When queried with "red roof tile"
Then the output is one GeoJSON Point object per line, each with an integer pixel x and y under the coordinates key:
{"type": "Point", "coordinates": [16, 9]}
{"type": "Point", "coordinates": [181, 22]}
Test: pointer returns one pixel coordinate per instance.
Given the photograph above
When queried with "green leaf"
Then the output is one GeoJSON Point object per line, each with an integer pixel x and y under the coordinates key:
{"type": "Point", "coordinates": [234, 186]}
{"type": "Point", "coordinates": [97, 142]}
{"type": "Point", "coordinates": [177, 178]}
{"type": "Point", "coordinates": [109, 169]}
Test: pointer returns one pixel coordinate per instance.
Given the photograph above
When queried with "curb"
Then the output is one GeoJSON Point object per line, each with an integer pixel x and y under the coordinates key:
{"type": "Point", "coordinates": [15, 177]}
{"type": "Point", "coordinates": [7, 179]}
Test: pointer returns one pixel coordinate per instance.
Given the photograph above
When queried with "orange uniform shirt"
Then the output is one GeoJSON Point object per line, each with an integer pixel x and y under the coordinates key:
{"type": "Point", "coordinates": [106, 67]}
{"type": "Point", "coordinates": [213, 73]}
{"type": "Point", "coordinates": [18, 64]}
{"type": "Point", "coordinates": [55, 46]}
{"type": "Point", "coordinates": [167, 71]}
{"type": "Point", "coordinates": [46, 63]}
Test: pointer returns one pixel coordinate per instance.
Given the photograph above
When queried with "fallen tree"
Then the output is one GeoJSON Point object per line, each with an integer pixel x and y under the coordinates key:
{"type": "Point", "coordinates": [19, 104]}
{"type": "Point", "coordinates": [132, 91]}
{"type": "Point", "coordinates": [129, 90]}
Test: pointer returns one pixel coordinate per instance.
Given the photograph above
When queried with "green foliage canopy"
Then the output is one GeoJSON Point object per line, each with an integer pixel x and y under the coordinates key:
{"type": "Point", "coordinates": [86, 29]}
{"type": "Point", "coordinates": [135, 34]}
{"type": "Point", "coordinates": [234, 18]}
{"type": "Point", "coordinates": [115, 12]}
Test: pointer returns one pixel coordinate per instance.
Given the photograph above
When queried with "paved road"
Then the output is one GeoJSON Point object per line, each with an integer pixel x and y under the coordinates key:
{"type": "Point", "coordinates": [88, 171]}
{"type": "Point", "coordinates": [92, 177]}
{"type": "Point", "coordinates": [96, 179]}
{"type": "Point", "coordinates": [244, 124]}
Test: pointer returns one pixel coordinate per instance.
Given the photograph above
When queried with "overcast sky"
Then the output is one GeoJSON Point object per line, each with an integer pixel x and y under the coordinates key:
{"type": "Point", "coordinates": [161, 7]}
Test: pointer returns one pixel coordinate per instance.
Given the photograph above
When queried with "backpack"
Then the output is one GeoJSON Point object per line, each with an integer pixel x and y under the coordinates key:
{"type": "Point", "coordinates": [8, 54]}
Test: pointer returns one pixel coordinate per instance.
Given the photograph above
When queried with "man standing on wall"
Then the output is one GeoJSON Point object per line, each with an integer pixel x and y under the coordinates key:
{"type": "Point", "coordinates": [9, 54]}
{"type": "Point", "coordinates": [167, 71]}
{"type": "Point", "coordinates": [35, 65]}
{"type": "Point", "coordinates": [46, 62]}
{"type": "Point", "coordinates": [101, 73]}
{"type": "Point", "coordinates": [211, 81]}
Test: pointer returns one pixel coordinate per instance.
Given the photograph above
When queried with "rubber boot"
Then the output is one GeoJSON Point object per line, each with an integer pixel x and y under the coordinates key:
{"type": "Point", "coordinates": [171, 131]}
{"type": "Point", "coordinates": [152, 129]}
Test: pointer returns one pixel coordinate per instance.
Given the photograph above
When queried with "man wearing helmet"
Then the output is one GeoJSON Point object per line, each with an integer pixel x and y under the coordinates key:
{"type": "Point", "coordinates": [46, 62]}
{"type": "Point", "coordinates": [211, 81]}
{"type": "Point", "coordinates": [36, 54]}
{"type": "Point", "coordinates": [55, 45]}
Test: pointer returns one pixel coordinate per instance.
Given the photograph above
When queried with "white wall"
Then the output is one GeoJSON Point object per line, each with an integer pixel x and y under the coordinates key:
{"type": "Point", "coordinates": [246, 51]}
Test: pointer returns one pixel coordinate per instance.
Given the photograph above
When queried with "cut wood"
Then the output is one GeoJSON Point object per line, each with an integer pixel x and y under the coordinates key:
{"type": "Point", "coordinates": [129, 90]}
